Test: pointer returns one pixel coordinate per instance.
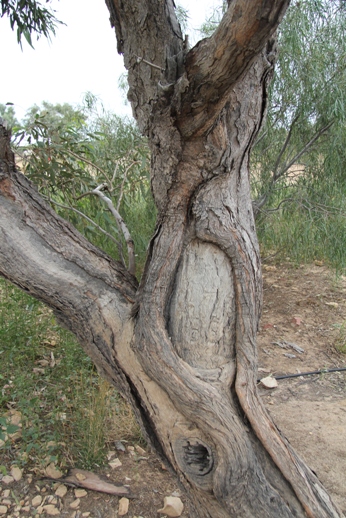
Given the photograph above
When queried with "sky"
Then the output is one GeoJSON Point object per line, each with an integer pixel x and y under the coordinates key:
{"type": "Point", "coordinates": [81, 57]}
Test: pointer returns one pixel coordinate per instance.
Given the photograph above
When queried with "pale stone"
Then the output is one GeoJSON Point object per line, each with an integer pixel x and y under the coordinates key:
{"type": "Point", "coordinates": [51, 510]}
{"type": "Point", "coordinates": [269, 382]}
{"type": "Point", "coordinates": [7, 479]}
{"type": "Point", "coordinates": [6, 493]}
{"type": "Point", "coordinates": [36, 501]}
{"type": "Point", "coordinates": [79, 493]}
{"type": "Point", "coordinates": [39, 509]}
{"type": "Point", "coordinates": [123, 506]}
{"type": "Point", "coordinates": [26, 508]}
{"type": "Point", "coordinates": [140, 450]}
{"type": "Point", "coordinates": [172, 506]}
{"type": "Point", "coordinates": [16, 473]}
{"type": "Point", "coordinates": [3, 509]}
{"type": "Point", "coordinates": [86, 514]}
{"type": "Point", "coordinates": [6, 501]}
{"type": "Point", "coordinates": [111, 454]}
{"type": "Point", "coordinates": [75, 503]}
{"type": "Point", "coordinates": [15, 417]}
{"type": "Point", "coordinates": [61, 491]}
{"type": "Point", "coordinates": [115, 463]}
{"type": "Point", "coordinates": [52, 471]}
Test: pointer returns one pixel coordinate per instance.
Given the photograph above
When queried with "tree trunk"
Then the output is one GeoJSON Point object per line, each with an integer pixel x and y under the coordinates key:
{"type": "Point", "coordinates": [181, 347]}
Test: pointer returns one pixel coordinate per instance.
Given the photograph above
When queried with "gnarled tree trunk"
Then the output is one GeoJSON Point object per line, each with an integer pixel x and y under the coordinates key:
{"type": "Point", "coordinates": [182, 346]}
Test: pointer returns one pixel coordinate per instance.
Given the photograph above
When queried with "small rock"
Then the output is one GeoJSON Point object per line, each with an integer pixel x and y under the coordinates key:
{"type": "Point", "coordinates": [269, 382]}
{"type": "Point", "coordinates": [7, 479]}
{"type": "Point", "coordinates": [86, 514]}
{"type": "Point", "coordinates": [16, 473]}
{"type": "Point", "coordinates": [119, 446]}
{"type": "Point", "coordinates": [75, 503]}
{"type": "Point", "coordinates": [123, 506]}
{"type": "Point", "coordinates": [15, 417]}
{"type": "Point", "coordinates": [115, 463]}
{"type": "Point", "coordinates": [6, 493]}
{"type": "Point", "coordinates": [53, 472]}
{"type": "Point", "coordinates": [3, 509]}
{"type": "Point", "coordinates": [79, 493]}
{"type": "Point", "coordinates": [140, 450]}
{"type": "Point", "coordinates": [51, 510]}
{"type": "Point", "coordinates": [111, 454]}
{"type": "Point", "coordinates": [61, 491]}
{"type": "Point", "coordinates": [131, 450]}
{"type": "Point", "coordinates": [36, 501]}
{"type": "Point", "coordinates": [172, 506]}
{"type": "Point", "coordinates": [6, 501]}
{"type": "Point", "coordinates": [26, 508]}
{"type": "Point", "coordinates": [39, 509]}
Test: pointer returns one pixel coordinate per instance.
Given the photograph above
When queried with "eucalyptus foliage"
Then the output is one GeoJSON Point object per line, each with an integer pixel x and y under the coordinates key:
{"type": "Point", "coordinates": [8, 114]}
{"type": "Point", "coordinates": [305, 123]}
{"type": "Point", "coordinates": [28, 17]}
{"type": "Point", "coordinates": [69, 152]}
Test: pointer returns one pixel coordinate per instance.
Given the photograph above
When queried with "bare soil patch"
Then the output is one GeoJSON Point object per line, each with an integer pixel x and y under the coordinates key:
{"type": "Point", "coordinates": [304, 306]}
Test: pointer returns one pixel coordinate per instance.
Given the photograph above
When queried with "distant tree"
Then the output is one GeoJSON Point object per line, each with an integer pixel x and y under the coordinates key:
{"type": "Point", "coordinates": [8, 114]}
{"type": "Point", "coordinates": [55, 116]}
{"type": "Point", "coordinates": [306, 116]}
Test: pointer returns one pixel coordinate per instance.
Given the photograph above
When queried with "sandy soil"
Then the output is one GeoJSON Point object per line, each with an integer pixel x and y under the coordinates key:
{"type": "Point", "coordinates": [304, 306]}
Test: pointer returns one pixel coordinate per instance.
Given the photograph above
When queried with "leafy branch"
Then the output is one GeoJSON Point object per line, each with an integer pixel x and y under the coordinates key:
{"type": "Point", "coordinates": [28, 17]}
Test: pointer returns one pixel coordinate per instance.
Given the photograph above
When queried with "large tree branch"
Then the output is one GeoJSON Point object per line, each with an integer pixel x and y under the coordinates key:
{"type": "Point", "coordinates": [216, 63]}
{"type": "Point", "coordinates": [48, 258]}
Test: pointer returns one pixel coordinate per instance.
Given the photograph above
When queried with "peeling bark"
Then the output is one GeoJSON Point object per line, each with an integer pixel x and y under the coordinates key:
{"type": "Point", "coordinates": [182, 346]}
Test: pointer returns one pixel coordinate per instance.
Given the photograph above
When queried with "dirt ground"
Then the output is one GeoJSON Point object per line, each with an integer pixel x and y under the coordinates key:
{"type": "Point", "coordinates": [302, 306]}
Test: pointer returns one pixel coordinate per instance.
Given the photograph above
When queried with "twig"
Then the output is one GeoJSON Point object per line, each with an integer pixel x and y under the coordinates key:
{"type": "Point", "coordinates": [121, 223]}
{"type": "Point", "coordinates": [123, 183]}
{"type": "Point", "coordinates": [304, 149]}
{"type": "Point", "coordinates": [142, 60]}
{"type": "Point", "coordinates": [118, 243]}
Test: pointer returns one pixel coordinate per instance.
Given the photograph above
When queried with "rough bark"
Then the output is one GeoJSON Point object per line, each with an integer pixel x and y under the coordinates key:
{"type": "Point", "coordinates": [181, 347]}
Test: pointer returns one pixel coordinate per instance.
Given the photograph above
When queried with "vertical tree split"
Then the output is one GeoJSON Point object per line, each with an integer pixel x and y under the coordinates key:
{"type": "Point", "coordinates": [181, 346]}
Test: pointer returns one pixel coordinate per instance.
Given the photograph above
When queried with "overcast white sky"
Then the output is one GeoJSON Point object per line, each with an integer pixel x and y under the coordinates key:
{"type": "Point", "coordinates": [82, 57]}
